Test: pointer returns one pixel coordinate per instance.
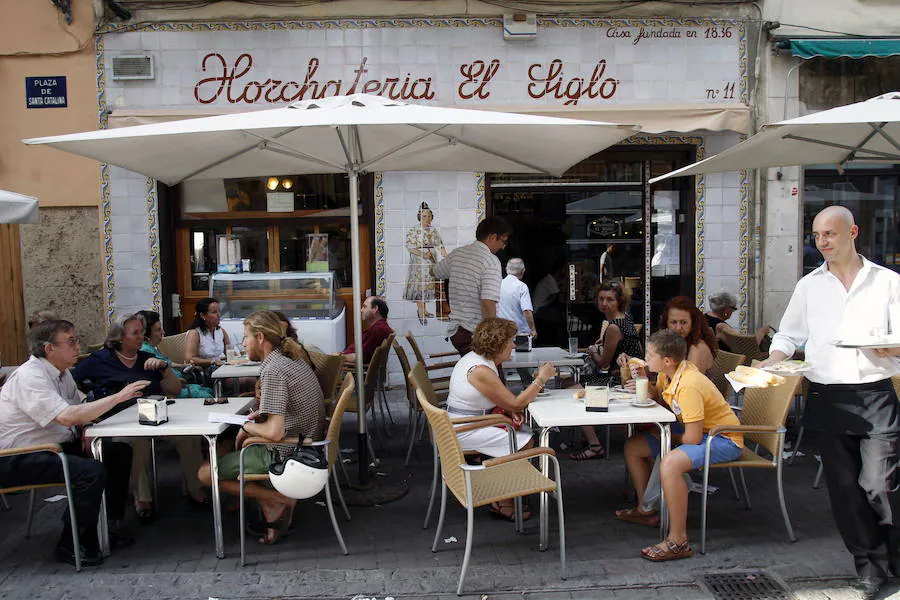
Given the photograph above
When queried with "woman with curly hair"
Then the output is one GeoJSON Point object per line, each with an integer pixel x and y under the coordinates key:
{"type": "Point", "coordinates": [476, 389]}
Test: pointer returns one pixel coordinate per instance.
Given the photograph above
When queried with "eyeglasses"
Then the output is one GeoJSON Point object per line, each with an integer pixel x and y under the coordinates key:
{"type": "Point", "coordinates": [211, 401]}
{"type": "Point", "coordinates": [72, 341]}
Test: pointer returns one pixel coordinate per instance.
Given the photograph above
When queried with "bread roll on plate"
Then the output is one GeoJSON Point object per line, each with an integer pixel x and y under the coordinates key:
{"type": "Point", "coordinates": [753, 377]}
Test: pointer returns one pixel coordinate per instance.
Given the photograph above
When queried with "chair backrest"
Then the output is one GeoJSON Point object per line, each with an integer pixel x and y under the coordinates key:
{"type": "Point", "coordinates": [404, 366]}
{"type": "Point", "coordinates": [337, 418]}
{"type": "Point", "coordinates": [743, 344]}
{"type": "Point", "coordinates": [374, 372]}
{"type": "Point", "coordinates": [328, 372]}
{"type": "Point", "coordinates": [725, 362]}
{"type": "Point", "coordinates": [768, 406]}
{"type": "Point", "coordinates": [448, 447]}
{"type": "Point", "coordinates": [896, 381]}
{"type": "Point", "coordinates": [172, 347]}
{"type": "Point", "coordinates": [415, 347]}
{"type": "Point", "coordinates": [420, 381]}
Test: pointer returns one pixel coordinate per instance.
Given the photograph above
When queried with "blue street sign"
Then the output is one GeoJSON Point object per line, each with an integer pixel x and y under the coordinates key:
{"type": "Point", "coordinates": [46, 92]}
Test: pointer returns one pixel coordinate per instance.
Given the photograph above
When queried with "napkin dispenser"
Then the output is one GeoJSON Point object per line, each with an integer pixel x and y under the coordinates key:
{"type": "Point", "coordinates": [153, 410]}
{"type": "Point", "coordinates": [523, 343]}
{"type": "Point", "coordinates": [596, 399]}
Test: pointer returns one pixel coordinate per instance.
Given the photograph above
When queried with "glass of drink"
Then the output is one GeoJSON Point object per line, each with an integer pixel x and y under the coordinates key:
{"type": "Point", "coordinates": [642, 389]}
{"type": "Point", "coordinates": [573, 345]}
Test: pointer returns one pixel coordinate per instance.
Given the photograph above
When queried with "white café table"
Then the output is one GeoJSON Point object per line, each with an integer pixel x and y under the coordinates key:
{"type": "Point", "coordinates": [557, 357]}
{"type": "Point", "coordinates": [233, 371]}
{"type": "Point", "coordinates": [187, 416]}
{"type": "Point", "coordinates": [559, 408]}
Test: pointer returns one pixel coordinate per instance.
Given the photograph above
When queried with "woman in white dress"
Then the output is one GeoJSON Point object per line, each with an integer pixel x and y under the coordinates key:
{"type": "Point", "coordinates": [423, 244]}
{"type": "Point", "coordinates": [476, 389]}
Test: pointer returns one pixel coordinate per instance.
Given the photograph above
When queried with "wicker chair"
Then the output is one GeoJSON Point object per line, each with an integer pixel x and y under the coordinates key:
{"type": "Point", "coordinates": [66, 482]}
{"type": "Point", "coordinates": [422, 358]}
{"type": "Point", "coordinates": [172, 347]}
{"type": "Point", "coordinates": [762, 422]}
{"type": "Point", "coordinates": [745, 344]}
{"type": "Point", "coordinates": [332, 452]}
{"type": "Point", "coordinates": [371, 387]}
{"type": "Point", "coordinates": [414, 415]}
{"type": "Point", "coordinates": [494, 480]}
{"type": "Point", "coordinates": [725, 362]}
{"type": "Point", "coordinates": [328, 372]}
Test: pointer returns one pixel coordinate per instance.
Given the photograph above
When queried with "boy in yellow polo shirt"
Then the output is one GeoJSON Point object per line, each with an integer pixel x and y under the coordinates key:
{"type": "Point", "coordinates": [699, 406]}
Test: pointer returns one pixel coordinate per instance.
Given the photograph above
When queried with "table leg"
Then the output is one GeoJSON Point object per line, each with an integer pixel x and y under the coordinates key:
{"type": "Point", "coordinates": [216, 496]}
{"type": "Point", "coordinates": [153, 468]}
{"type": "Point", "coordinates": [102, 524]}
{"type": "Point", "coordinates": [218, 388]}
{"type": "Point", "coordinates": [544, 441]}
{"type": "Point", "coordinates": [665, 444]}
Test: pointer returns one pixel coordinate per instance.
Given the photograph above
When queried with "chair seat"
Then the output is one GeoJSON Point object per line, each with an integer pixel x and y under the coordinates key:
{"type": "Point", "coordinates": [747, 460]}
{"type": "Point", "coordinates": [25, 488]}
{"type": "Point", "coordinates": [509, 480]}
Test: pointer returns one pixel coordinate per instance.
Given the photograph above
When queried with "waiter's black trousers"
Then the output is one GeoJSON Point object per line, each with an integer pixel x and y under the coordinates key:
{"type": "Point", "coordinates": [89, 479]}
{"type": "Point", "coordinates": [863, 477]}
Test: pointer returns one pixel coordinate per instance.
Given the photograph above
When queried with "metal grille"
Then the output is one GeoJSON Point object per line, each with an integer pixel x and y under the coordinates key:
{"type": "Point", "coordinates": [745, 585]}
{"type": "Point", "coordinates": [132, 67]}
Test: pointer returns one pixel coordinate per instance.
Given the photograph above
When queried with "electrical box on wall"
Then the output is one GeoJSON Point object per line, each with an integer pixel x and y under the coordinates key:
{"type": "Point", "coordinates": [520, 27]}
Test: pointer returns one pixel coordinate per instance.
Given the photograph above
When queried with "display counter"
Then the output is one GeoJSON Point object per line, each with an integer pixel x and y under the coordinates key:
{"type": "Point", "coordinates": [309, 300]}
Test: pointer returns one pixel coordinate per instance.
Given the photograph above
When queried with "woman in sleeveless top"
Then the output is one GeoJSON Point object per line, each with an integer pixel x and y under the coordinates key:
{"type": "Point", "coordinates": [619, 337]}
{"type": "Point", "coordinates": [204, 348]}
{"type": "Point", "coordinates": [476, 389]}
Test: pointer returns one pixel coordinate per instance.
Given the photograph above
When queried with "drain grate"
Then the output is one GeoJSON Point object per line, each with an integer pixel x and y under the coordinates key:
{"type": "Point", "coordinates": [745, 585]}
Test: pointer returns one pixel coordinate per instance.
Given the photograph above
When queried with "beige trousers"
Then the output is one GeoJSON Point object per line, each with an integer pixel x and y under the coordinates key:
{"type": "Point", "coordinates": [189, 449]}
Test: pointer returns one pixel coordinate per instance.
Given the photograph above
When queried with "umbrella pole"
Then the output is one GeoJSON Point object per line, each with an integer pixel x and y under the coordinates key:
{"type": "Point", "coordinates": [362, 447]}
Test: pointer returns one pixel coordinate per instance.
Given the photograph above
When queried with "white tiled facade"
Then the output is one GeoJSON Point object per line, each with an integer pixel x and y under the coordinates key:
{"type": "Point", "coordinates": [438, 60]}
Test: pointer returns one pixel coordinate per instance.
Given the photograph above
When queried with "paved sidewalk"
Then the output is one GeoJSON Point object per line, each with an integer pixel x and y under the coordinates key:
{"type": "Point", "coordinates": [390, 552]}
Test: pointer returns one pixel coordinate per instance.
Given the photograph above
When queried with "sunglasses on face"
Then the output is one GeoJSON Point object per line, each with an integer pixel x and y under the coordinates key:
{"type": "Point", "coordinates": [211, 401]}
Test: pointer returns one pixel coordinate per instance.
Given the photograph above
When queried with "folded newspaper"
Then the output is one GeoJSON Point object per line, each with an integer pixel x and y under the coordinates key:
{"type": "Point", "coordinates": [230, 418]}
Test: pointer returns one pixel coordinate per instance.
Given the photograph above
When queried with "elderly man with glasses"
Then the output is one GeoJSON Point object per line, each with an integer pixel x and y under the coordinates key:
{"type": "Point", "coordinates": [721, 307]}
{"type": "Point", "coordinates": [39, 404]}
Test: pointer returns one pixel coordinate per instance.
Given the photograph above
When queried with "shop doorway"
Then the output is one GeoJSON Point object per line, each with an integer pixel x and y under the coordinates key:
{"type": "Point", "coordinates": [589, 227]}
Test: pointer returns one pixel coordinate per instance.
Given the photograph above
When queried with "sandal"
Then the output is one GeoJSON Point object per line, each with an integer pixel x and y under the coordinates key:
{"type": "Point", "coordinates": [508, 512]}
{"type": "Point", "coordinates": [589, 452]}
{"type": "Point", "coordinates": [667, 550]}
{"type": "Point", "coordinates": [279, 527]}
{"type": "Point", "coordinates": [635, 515]}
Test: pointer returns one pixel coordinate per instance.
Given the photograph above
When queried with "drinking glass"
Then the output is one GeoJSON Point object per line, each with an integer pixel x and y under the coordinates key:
{"type": "Point", "coordinates": [573, 345]}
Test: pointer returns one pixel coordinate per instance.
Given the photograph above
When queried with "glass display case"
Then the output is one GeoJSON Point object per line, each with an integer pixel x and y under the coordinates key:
{"type": "Point", "coordinates": [309, 300]}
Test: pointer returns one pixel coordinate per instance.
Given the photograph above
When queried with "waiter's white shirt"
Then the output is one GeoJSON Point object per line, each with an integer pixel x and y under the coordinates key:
{"type": "Point", "coordinates": [821, 311]}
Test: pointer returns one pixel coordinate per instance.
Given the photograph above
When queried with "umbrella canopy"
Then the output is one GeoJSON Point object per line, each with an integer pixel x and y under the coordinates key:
{"type": "Point", "coordinates": [866, 131]}
{"type": "Point", "coordinates": [346, 134]}
{"type": "Point", "coordinates": [336, 135]}
{"type": "Point", "coordinates": [18, 208]}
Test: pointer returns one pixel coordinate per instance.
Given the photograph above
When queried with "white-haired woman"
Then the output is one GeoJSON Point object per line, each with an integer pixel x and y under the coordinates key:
{"type": "Point", "coordinates": [119, 362]}
{"type": "Point", "coordinates": [721, 307]}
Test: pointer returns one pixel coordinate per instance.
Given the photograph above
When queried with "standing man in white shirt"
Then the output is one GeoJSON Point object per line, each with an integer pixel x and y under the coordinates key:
{"type": "Point", "coordinates": [515, 305]}
{"type": "Point", "coordinates": [851, 402]}
{"type": "Point", "coordinates": [39, 404]}
{"type": "Point", "coordinates": [474, 274]}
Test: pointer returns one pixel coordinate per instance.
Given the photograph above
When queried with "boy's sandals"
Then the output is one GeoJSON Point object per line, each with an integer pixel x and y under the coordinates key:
{"type": "Point", "coordinates": [634, 515]}
{"type": "Point", "coordinates": [507, 512]}
{"type": "Point", "coordinates": [589, 452]}
{"type": "Point", "coordinates": [667, 550]}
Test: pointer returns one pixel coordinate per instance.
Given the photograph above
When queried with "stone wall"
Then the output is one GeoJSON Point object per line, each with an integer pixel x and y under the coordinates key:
{"type": "Point", "coordinates": [62, 269]}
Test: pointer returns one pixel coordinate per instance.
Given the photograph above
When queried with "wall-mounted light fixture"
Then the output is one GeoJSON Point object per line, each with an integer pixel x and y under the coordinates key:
{"type": "Point", "coordinates": [272, 183]}
{"type": "Point", "coordinates": [287, 183]}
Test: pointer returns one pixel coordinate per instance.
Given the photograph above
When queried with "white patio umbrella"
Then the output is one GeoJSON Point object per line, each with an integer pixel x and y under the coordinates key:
{"type": "Point", "coordinates": [348, 134]}
{"type": "Point", "coordinates": [18, 208]}
{"type": "Point", "coordinates": [866, 131]}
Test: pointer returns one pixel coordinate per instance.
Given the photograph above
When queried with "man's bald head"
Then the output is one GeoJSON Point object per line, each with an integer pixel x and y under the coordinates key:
{"type": "Point", "coordinates": [839, 213]}
{"type": "Point", "coordinates": [835, 231]}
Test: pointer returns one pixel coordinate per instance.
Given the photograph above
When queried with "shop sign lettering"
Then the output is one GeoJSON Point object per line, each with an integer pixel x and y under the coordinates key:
{"type": "Point", "coordinates": [234, 82]}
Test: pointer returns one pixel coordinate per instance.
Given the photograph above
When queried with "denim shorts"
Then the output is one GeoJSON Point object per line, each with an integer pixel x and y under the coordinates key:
{"type": "Point", "coordinates": [722, 449]}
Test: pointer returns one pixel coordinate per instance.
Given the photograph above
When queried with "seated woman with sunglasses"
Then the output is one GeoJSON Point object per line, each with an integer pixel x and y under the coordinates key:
{"type": "Point", "coordinates": [618, 338]}
{"type": "Point", "coordinates": [110, 369]}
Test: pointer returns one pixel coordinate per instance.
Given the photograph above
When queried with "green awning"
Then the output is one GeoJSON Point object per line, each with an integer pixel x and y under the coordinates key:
{"type": "Point", "coordinates": [849, 48]}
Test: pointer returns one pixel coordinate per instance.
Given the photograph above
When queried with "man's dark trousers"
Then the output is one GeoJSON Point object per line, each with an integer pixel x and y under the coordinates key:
{"type": "Point", "coordinates": [862, 471]}
{"type": "Point", "coordinates": [89, 479]}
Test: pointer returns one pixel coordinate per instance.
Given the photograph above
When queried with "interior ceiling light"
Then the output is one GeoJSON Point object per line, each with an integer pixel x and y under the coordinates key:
{"type": "Point", "coordinates": [287, 184]}
{"type": "Point", "coordinates": [272, 183]}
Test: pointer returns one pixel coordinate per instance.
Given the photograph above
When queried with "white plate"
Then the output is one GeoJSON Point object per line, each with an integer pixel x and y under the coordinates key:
{"type": "Point", "coordinates": [543, 393]}
{"type": "Point", "coordinates": [643, 404]}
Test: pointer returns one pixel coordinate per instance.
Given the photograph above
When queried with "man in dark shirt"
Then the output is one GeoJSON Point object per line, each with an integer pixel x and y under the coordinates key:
{"type": "Point", "coordinates": [374, 314]}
